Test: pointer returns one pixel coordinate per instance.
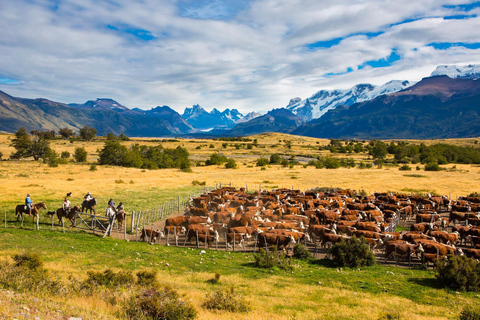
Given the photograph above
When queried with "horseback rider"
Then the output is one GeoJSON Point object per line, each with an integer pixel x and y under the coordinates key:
{"type": "Point", "coordinates": [28, 204]}
{"type": "Point", "coordinates": [66, 206]}
{"type": "Point", "coordinates": [88, 196]}
{"type": "Point", "coordinates": [120, 207]}
{"type": "Point", "coordinates": [111, 204]}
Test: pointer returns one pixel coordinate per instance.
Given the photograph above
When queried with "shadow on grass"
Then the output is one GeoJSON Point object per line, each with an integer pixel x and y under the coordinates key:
{"type": "Point", "coordinates": [327, 263]}
{"type": "Point", "coordinates": [427, 282]}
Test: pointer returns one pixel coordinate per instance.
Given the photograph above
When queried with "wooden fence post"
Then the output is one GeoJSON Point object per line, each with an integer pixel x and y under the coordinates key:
{"type": "Point", "coordinates": [151, 233]}
{"type": "Point", "coordinates": [198, 244]}
{"type": "Point", "coordinates": [52, 221]}
{"type": "Point", "coordinates": [63, 227]}
{"type": "Point", "coordinates": [226, 241]}
{"type": "Point", "coordinates": [233, 241]}
{"type": "Point", "coordinates": [175, 233]}
{"type": "Point", "coordinates": [168, 236]}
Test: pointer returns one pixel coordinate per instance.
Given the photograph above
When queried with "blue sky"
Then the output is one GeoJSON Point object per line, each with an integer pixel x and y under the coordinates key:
{"type": "Point", "coordinates": [249, 55]}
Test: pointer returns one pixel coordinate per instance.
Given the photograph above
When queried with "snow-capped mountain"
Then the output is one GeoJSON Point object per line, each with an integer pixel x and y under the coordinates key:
{"type": "Point", "coordinates": [471, 71]}
{"type": "Point", "coordinates": [324, 100]}
{"type": "Point", "coordinates": [249, 116]}
{"type": "Point", "coordinates": [203, 120]}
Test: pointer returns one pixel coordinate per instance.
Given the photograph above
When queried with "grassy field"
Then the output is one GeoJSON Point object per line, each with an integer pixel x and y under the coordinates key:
{"type": "Point", "coordinates": [313, 291]}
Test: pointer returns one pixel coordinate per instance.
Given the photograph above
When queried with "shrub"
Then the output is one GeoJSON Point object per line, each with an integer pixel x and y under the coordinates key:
{"type": "Point", "coordinates": [51, 158]}
{"type": "Point", "coordinates": [300, 252]}
{"type": "Point", "coordinates": [29, 260]}
{"type": "Point", "coordinates": [231, 164]}
{"type": "Point", "coordinates": [211, 146]}
{"type": "Point", "coordinates": [275, 159]}
{"type": "Point", "coordinates": [80, 154]}
{"type": "Point", "coordinates": [164, 303]}
{"type": "Point", "coordinates": [432, 166]}
{"type": "Point", "coordinates": [273, 259]}
{"type": "Point", "coordinates": [198, 183]}
{"type": "Point", "coordinates": [352, 253]}
{"type": "Point", "coordinates": [65, 155]}
{"type": "Point", "coordinates": [405, 167]}
{"type": "Point", "coordinates": [28, 275]}
{"type": "Point", "coordinates": [93, 167]}
{"type": "Point", "coordinates": [216, 159]}
{"type": "Point", "coordinates": [108, 278]}
{"type": "Point", "coordinates": [459, 273]}
{"type": "Point", "coordinates": [262, 162]}
{"type": "Point", "coordinates": [226, 299]}
{"type": "Point", "coordinates": [147, 278]}
{"type": "Point", "coordinates": [470, 313]}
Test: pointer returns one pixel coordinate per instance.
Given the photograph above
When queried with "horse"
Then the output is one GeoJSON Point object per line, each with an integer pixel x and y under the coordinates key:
{"type": "Point", "coordinates": [119, 215]}
{"type": "Point", "coordinates": [70, 214]}
{"type": "Point", "coordinates": [90, 204]}
{"type": "Point", "coordinates": [21, 208]}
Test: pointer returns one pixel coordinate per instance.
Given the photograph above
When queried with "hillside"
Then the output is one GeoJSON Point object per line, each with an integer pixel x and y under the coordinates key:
{"type": "Point", "coordinates": [436, 107]}
{"type": "Point", "coordinates": [43, 114]}
{"type": "Point", "coordinates": [277, 120]}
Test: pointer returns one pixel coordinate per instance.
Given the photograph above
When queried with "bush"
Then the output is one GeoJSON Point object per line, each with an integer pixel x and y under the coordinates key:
{"type": "Point", "coordinates": [80, 154]}
{"type": "Point", "coordinates": [262, 162]}
{"type": "Point", "coordinates": [273, 259]}
{"type": "Point", "coordinates": [147, 278]}
{"type": "Point", "coordinates": [226, 299]}
{"type": "Point", "coordinates": [28, 275]}
{"type": "Point", "coordinates": [432, 166]}
{"type": "Point", "coordinates": [51, 158]}
{"type": "Point", "coordinates": [231, 164]}
{"type": "Point", "coordinates": [29, 260]}
{"type": "Point", "coordinates": [459, 273]}
{"type": "Point", "coordinates": [93, 167]}
{"type": "Point", "coordinates": [198, 183]}
{"type": "Point", "coordinates": [164, 303]}
{"type": "Point", "coordinates": [108, 278]}
{"type": "Point", "coordinates": [65, 155]}
{"type": "Point", "coordinates": [275, 159]}
{"type": "Point", "coordinates": [470, 313]}
{"type": "Point", "coordinates": [405, 167]}
{"type": "Point", "coordinates": [216, 159]}
{"type": "Point", "coordinates": [300, 252]}
{"type": "Point", "coordinates": [352, 253]}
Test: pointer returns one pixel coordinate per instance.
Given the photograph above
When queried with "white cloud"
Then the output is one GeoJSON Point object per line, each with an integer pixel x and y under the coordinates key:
{"type": "Point", "coordinates": [76, 50]}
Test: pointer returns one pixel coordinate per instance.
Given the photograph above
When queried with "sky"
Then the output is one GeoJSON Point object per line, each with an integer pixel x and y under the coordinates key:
{"type": "Point", "coordinates": [251, 55]}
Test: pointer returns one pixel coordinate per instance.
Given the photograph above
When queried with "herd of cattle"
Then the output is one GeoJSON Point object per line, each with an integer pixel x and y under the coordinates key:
{"type": "Point", "coordinates": [282, 217]}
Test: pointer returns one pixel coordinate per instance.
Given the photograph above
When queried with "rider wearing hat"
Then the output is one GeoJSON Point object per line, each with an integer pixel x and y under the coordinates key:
{"type": "Point", "coordinates": [88, 196]}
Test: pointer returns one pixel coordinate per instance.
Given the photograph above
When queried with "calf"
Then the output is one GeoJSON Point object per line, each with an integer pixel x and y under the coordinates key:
{"type": "Point", "coordinates": [149, 234]}
{"type": "Point", "coordinates": [399, 249]}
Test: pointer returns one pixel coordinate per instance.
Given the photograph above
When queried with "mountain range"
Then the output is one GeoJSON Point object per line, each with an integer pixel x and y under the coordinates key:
{"type": "Point", "coordinates": [446, 104]}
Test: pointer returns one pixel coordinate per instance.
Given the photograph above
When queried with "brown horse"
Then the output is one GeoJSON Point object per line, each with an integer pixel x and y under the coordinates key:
{"type": "Point", "coordinates": [89, 205]}
{"type": "Point", "coordinates": [22, 209]}
{"type": "Point", "coordinates": [70, 214]}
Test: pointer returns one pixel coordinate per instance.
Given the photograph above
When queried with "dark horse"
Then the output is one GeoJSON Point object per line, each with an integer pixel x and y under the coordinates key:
{"type": "Point", "coordinates": [70, 214]}
{"type": "Point", "coordinates": [22, 209]}
{"type": "Point", "coordinates": [90, 204]}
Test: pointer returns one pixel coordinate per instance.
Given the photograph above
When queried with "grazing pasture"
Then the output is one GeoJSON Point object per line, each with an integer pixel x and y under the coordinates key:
{"type": "Point", "coordinates": [313, 290]}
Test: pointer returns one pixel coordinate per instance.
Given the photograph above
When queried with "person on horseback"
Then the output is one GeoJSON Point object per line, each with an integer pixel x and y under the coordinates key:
{"type": "Point", "coordinates": [88, 196]}
{"type": "Point", "coordinates": [28, 204]}
{"type": "Point", "coordinates": [120, 207]}
{"type": "Point", "coordinates": [66, 206]}
{"type": "Point", "coordinates": [111, 204]}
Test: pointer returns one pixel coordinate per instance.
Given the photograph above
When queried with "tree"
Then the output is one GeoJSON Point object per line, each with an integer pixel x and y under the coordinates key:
{"type": "Point", "coordinates": [80, 154]}
{"type": "Point", "coordinates": [66, 133]}
{"type": "Point", "coordinates": [88, 133]}
{"type": "Point", "coordinates": [231, 164]}
{"type": "Point", "coordinates": [28, 146]}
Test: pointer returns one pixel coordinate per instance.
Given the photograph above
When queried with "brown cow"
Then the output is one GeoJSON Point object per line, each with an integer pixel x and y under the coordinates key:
{"type": "Point", "coordinates": [271, 239]}
{"type": "Point", "coordinates": [177, 221]}
{"type": "Point", "coordinates": [149, 234]}
{"type": "Point", "coordinates": [399, 249]}
{"type": "Point", "coordinates": [445, 237]}
{"type": "Point", "coordinates": [366, 234]}
{"type": "Point", "coordinates": [472, 253]}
